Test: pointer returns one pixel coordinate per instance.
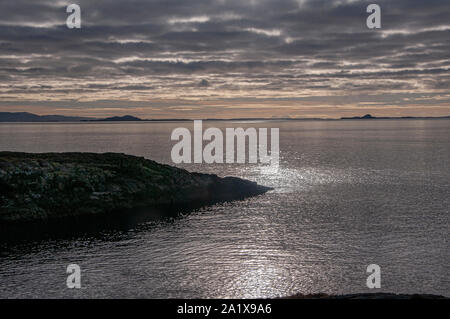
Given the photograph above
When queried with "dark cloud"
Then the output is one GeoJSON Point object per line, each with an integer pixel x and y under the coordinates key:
{"type": "Point", "coordinates": [203, 83]}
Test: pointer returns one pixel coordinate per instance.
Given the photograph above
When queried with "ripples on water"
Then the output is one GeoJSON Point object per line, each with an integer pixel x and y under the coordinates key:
{"type": "Point", "coordinates": [347, 194]}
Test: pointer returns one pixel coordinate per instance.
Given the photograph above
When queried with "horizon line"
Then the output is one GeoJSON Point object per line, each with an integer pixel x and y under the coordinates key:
{"type": "Point", "coordinates": [132, 118]}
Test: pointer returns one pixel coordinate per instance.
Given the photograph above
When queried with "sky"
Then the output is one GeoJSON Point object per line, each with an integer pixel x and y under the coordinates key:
{"type": "Point", "coordinates": [225, 58]}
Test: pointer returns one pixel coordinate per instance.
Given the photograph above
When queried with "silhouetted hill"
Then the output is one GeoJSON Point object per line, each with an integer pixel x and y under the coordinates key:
{"type": "Point", "coordinates": [370, 117]}
{"type": "Point", "coordinates": [365, 117]}
{"type": "Point", "coordinates": [30, 117]}
{"type": "Point", "coordinates": [119, 119]}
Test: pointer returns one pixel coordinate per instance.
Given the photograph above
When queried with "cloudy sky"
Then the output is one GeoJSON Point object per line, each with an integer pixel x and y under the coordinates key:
{"type": "Point", "coordinates": [225, 58]}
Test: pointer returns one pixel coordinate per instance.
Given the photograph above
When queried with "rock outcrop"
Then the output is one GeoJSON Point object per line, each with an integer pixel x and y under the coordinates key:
{"type": "Point", "coordinates": [379, 295]}
{"type": "Point", "coordinates": [50, 185]}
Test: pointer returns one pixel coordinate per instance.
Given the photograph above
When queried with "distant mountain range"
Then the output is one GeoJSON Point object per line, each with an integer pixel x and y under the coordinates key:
{"type": "Point", "coordinates": [370, 117]}
{"type": "Point", "coordinates": [365, 117]}
{"type": "Point", "coordinates": [117, 119]}
{"type": "Point", "coordinates": [30, 117]}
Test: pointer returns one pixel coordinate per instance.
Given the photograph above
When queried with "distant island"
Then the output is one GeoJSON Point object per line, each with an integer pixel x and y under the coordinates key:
{"type": "Point", "coordinates": [365, 117]}
{"type": "Point", "coordinates": [30, 117]}
{"type": "Point", "coordinates": [27, 117]}
{"type": "Point", "coordinates": [370, 117]}
{"type": "Point", "coordinates": [125, 118]}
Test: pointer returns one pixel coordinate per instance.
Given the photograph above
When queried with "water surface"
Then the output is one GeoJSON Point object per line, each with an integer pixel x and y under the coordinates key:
{"type": "Point", "coordinates": [347, 194]}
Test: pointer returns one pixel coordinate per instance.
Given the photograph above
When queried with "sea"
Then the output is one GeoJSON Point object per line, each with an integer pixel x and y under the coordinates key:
{"type": "Point", "coordinates": [346, 194]}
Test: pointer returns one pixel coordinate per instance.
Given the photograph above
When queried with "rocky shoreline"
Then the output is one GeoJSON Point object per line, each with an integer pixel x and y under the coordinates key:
{"type": "Point", "coordinates": [377, 295]}
{"type": "Point", "coordinates": [44, 186]}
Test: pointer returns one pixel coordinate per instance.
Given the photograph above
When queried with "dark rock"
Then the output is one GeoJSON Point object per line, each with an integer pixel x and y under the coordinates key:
{"type": "Point", "coordinates": [49, 185]}
{"type": "Point", "coordinates": [377, 295]}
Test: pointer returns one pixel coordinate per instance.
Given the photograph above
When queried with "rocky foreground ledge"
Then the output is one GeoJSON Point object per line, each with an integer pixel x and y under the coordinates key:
{"type": "Point", "coordinates": [49, 185]}
{"type": "Point", "coordinates": [379, 295]}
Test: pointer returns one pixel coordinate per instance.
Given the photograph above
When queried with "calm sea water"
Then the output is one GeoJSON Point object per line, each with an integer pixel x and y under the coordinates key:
{"type": "Point", "coordinates": [347, 194]}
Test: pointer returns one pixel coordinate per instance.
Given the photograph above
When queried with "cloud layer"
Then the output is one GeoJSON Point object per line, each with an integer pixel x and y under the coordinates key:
{"type": "Point", "coordinates": [220, 58]}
